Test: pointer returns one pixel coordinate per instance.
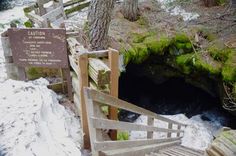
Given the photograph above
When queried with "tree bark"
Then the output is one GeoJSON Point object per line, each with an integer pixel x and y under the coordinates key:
{"type": "Point", "coordinates": [99, 19]}
{"type": "Point", "coordinates": [210, 3]}
{"type": "Point", "coordinates": [130, 9]}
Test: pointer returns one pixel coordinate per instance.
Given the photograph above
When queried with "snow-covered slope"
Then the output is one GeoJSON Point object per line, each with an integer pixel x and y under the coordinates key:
{"type": "Point", "coordinates": [198, 134]}
{"type": "Point", "coordinates": [33, 123]}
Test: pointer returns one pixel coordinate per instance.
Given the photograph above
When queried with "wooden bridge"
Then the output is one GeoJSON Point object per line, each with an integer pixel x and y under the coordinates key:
{"type": "Point", "coordinates": [103, 146]}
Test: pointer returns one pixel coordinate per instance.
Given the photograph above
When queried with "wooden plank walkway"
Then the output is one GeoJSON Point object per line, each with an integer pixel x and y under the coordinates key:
{"type": "Point", "coordinates": [177, 151]}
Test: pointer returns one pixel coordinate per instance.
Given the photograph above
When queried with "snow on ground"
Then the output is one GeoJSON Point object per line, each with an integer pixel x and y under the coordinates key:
{"type": "Point", "coordinates": [7, 16]}
{"type": "Point", "coordinates": [2, 66]}
{"type": "Point", "coordinates": [32, 122]}
{"type": "Point", "coordinates": [177, 10]}
{"type": "Point", "coordinates": [198, 134]}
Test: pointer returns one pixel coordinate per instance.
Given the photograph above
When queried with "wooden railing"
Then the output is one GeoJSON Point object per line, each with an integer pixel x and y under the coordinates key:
{"type": "Point", "coordinates": [96, 69]}
{"type": "Point", "coordinates": [97, 123]}
{"type": "Point", "coordinates": [46, 18]}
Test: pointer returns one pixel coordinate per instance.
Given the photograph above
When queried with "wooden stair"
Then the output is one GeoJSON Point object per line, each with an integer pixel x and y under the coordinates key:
{"type": "Point", "coordinates": [140, 150]}
{"type": "Point", "coordinates": [177, 151]}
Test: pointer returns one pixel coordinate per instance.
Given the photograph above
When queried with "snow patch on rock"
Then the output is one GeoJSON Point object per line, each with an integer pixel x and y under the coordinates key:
{"type": "Point", "coordinates": [32, 122]}
{"type": "Point", "coordinates": [198, 134]}
{"type": "Point", "coordinates": [177, 10]}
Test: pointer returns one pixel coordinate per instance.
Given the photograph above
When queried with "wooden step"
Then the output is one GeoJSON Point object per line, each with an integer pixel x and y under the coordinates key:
{"type": "Point", "coordinates": [140, 151]}
{"type": "Point", "coordinates": [155, 154]}
{"type": "Point", "coordinates": [179, 151]}
{"type": "Point", "coordinates": [184, 153]}
{"type": "Point", "coordinates": [190, 151]}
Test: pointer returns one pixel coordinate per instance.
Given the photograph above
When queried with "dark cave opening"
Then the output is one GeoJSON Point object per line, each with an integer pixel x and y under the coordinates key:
{"type": "Point", "coordinates": [174, 96]}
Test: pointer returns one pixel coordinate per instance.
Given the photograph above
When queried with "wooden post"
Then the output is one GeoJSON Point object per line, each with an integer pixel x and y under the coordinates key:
{"type": "Point", "coordinates": [150, 122]}
{"type": "Point", "coordinates": [179, 128]}
{"type": "Point", "coordinates": [66, 74]}
{"type": "Point", "coordinates": [83, 78]}
{"type": "Point", "coordinates": [113, 57]}
{"type": "Point", "coordinates": [90, 113]}
{"type": "Point", "coordinates": [170, 125]}
{"type": "Point", "coordinates": [22, 73]}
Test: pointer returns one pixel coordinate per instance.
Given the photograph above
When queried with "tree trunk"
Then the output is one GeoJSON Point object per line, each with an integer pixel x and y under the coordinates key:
{"type": "Point", "coordinates": [210, 3]}
{"type": "Point", "coordinates": [99, 19]}
{"type": "Point", "coordinates": [130, 9]}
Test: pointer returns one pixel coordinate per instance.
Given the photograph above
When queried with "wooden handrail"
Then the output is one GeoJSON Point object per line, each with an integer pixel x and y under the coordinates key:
{"type": "Point", "coordinates": [120, 125]}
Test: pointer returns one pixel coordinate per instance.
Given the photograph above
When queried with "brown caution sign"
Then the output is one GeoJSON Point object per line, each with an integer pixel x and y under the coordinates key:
{"type": "Point", "coordinates": [39, 47]}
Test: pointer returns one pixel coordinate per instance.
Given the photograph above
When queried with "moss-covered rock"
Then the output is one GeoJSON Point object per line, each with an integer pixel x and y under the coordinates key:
{"type": "Point", "coordinates": [207, 64]}
{"type": "Point", "coordinates": [196, 61]}
{"type": "Point", "coordinates": [219, 53]}
{"type": "Point", "coordinates": [140, 52]}
{"type": "Point", "coordinates": [216, 62]}
{"type": "Point", "coordinates": [181, 37]}
{"type": "Point", "coordinates": [185, 62]}
{"type": "Point", "coordinates": [157, 46]}
{"type": "Point", "coordinates": [229, 68]}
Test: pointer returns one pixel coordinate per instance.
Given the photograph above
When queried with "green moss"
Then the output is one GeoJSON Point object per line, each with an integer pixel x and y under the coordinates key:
{"type": "Point", "coordinates": [157, 46]}
{"type": "Point", "coordinates": [181, 45]}
{"type": "Point", "coordinates": [219, 54]}
{"type": "Point", "coordinates": [69, 3]}
{"type": "Point", "coordinates": [28, 24]}
{"type": "Point", "coordinates": [185, 62]}
{"type": "Point", "coordinates": [27, 10]}
{"type": "Point", "coordinates": [34, 73]}
{"type": "Point", "coordinates": [141, 52]}
{"type": "Point", "coordinates": [128, 54]}
{"type": "Point", "coordinates": [182, 38]}
{"type": "Point", "coordinates": [229, 73]}
{"type": "Point", "coordinates": [192, 61]}
{"type": "Point", "coordinates": [37, 72]}
{"type": "Point", "coordinates": [188, 46]}
{"type": "Point", "coordinates": [77, 8]}
{"type": "Point", "coordinates": [221, 2]}
{"type": "Point", "coordinates": [122, 135]}
{"type": "Point", "coordinates": [229, 68]}
{"type": "Point", "coordinates": [203, 65]}
{"type": "Point", "coordinates": [104, 109]}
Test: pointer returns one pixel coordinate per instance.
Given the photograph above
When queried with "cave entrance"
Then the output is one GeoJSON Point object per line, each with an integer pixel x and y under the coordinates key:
{"type": "Point", "coordinates": [173, 96]}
